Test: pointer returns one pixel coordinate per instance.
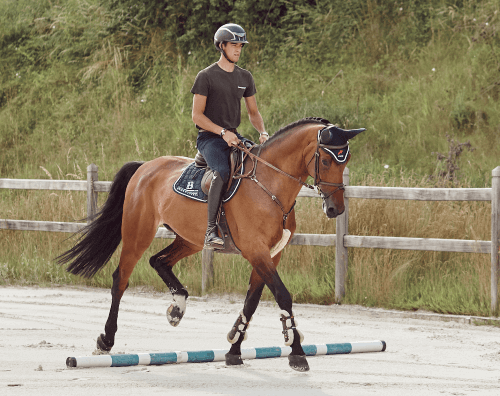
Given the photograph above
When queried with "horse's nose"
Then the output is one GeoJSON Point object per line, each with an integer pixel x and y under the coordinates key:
{"type": "Point", "coordinates": [332, 209]}
{"type": "Point", "coordinates": [332, 212]}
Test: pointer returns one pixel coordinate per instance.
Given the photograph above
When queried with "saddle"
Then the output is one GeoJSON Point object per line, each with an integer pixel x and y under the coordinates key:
{"type": "Point", "coordinates": [194, 183]}
{"type": "Point", "coordinates": [235, 163]}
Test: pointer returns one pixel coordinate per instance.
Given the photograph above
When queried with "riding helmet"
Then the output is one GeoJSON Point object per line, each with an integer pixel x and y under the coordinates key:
{"type": "Point", "coordinates": [229, 32]}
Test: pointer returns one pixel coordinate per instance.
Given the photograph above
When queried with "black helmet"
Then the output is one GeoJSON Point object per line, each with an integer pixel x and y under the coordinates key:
{"type": "Point", "coordinates": [229, 32]}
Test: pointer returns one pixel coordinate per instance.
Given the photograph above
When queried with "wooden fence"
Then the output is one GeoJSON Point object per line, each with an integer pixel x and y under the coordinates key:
{"type": "Point", "coordinates": [341, 240]}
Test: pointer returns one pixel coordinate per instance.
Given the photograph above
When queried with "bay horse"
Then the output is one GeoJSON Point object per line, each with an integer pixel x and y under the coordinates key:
{"type": "Point", "coordinates": [141, 199]}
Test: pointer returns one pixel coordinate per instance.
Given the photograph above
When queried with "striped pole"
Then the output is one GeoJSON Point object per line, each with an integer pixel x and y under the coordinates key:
{"type": "Point", "coordinates": [217, 355]}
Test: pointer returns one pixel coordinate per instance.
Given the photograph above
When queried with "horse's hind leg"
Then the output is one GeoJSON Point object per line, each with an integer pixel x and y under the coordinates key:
{"type": "Point", "coordinates": [120, 283]}
{"type": "Point", "coordinates": [134, 245]}
{"type": "Point", "coordinates": [163, 262]}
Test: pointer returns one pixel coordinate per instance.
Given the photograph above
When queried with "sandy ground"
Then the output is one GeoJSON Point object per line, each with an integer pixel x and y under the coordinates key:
{"type": "Point", "coordinates": [40, 328]}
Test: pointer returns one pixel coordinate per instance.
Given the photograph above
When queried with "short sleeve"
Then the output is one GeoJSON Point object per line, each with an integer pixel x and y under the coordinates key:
{"type": "Point", "coordinates": [201, 84]}
{"type": "Point", "coordinates": [251, 90]}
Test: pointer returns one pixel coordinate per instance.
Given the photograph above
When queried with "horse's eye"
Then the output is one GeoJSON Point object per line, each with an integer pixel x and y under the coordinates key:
{"type": "Point", "coordinates": [324, 162]}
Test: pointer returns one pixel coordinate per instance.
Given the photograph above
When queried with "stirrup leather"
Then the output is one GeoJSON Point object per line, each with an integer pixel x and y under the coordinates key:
{"type": "Point", "coordinates": [289, 325]}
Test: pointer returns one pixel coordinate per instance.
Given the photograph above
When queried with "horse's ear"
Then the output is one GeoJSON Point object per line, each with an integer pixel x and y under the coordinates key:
{"type": "Point", "coordinates": [326, 136]}
{"type": "Point", "coordinates": [334, 135]}
{"type": "Point", "coordinates": [350, 133]}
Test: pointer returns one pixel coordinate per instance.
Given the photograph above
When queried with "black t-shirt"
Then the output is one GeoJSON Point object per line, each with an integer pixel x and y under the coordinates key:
{"type": "Point", "coordinates": [224, 92]}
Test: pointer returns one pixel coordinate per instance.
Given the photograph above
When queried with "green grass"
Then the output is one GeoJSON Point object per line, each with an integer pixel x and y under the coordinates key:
{"type": "Point", "coordinates": [74, 92]}
{"type": "Point", "coordinates": [442, 282]}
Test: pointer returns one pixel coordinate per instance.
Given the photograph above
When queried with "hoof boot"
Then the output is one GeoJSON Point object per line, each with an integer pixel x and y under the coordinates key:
{"type": "Point", "coordinates": [103, 344]}
{"type": "Point", "coordinates": [233, 360]}
{"type": "Point", "coordinates": [174, 315]}
{"type": "Point", "coordinates": [298, 362]}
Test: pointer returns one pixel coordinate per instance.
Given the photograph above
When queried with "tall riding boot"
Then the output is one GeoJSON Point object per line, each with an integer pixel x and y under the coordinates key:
{"type": "Point", "coordinates": [217, 189]}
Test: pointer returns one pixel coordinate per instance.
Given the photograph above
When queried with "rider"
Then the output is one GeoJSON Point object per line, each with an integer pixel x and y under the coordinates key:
{"type": "Point", "coordinates": [218, 90]}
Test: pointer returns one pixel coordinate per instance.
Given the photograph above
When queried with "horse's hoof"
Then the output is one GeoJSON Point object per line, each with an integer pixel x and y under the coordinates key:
{"type": "Point", "coordinates": [298, 362]}
{"type": "Point", "coordinates": [233, 360]}
{"type": "Point", "coordinates": [104, 345]}
{"type": "Point", "coordinates": [174, 315]}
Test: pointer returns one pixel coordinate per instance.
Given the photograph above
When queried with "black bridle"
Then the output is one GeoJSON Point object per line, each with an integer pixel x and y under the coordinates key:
{"type": "Point", "coordinates": [317, 178]}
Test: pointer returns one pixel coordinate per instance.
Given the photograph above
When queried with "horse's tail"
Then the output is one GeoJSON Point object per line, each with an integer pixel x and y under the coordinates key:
{"type": "Point", "coordinates": [100, 238]}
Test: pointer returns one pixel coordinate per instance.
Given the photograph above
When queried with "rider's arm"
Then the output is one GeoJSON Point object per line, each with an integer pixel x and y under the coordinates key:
{"type": "Point", "coordinates": [255, 117]}
{"type": "Point", "coordinates": [200, 119]}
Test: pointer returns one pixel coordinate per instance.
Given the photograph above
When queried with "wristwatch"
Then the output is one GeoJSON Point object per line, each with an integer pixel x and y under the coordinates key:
{"type": "Point", "coordinates": [223, 132]}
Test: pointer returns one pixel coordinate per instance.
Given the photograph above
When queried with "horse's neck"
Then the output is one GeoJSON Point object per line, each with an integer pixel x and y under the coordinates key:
{"type": "Point", "coordinates": [287, 154]}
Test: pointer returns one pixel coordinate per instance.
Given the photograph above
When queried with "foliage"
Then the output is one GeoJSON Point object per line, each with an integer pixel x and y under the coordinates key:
{"type": "Point", "coordinates": [450, 161]}
{"type": "Point", "coordinates": [108, 81]}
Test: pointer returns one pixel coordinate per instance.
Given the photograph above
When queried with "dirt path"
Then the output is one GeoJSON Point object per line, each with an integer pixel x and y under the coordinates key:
{"type": "Point", "coordinates": [40, 328]}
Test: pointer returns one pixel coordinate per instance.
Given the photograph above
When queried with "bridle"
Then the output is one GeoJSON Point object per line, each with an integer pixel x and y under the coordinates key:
{"type": "Point", "coordinates": [317, 178]}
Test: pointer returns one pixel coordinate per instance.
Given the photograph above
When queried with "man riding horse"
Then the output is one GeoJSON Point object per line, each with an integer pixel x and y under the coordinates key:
{"type": "Point", "coordinates": [218, 90]}
{"type": "Point", "coordinates": [142, 196]}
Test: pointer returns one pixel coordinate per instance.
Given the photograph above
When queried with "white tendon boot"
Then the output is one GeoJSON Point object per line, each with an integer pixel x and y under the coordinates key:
{"type": "Point", "coordinates": [296, 361]}
{"type": "Point", "coordinates": [289, 325]}
{"type": "Point", "coordinates": [239, 329]}
{"type": "Point", "coordinates": [176, 311]}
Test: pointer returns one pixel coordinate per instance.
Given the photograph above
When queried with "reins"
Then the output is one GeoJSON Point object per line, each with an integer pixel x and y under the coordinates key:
{"type": "Point", "coordinates": [255, 158]}
{"type": "Point", "coordinates": [251, 175]}
{"type": "Point", "coordinates": [317, 178]}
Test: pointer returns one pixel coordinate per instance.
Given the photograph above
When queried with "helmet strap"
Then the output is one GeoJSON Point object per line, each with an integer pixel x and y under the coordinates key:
{"type": "Point", "coordinates": [224, 53]}
{"type": "Point", "coordinates": [225, 56]}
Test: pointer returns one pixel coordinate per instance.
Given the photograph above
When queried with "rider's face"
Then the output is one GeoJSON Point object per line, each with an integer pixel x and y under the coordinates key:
{"type": "Point", "coordinates": [233, 50]}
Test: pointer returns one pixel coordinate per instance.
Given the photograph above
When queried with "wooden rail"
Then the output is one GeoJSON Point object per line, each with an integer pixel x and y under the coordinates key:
{"type": "Point", "coordinates": [341, 240]}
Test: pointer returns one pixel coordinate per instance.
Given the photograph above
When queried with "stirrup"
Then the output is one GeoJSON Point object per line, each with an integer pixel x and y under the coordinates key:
{"type": "Point", "coordinates": [212, 240]}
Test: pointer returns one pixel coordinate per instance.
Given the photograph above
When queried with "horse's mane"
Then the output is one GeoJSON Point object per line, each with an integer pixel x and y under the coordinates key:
{"type": "Point", "coordinates": [307, 120]}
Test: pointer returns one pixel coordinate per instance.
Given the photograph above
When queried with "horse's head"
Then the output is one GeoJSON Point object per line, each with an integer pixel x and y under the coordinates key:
{"type": "Point", "coordinates": [330, 159]}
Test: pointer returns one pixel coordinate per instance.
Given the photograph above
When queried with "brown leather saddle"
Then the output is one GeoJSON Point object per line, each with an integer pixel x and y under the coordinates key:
{"type": "Point", "coordinates": [235, 164]}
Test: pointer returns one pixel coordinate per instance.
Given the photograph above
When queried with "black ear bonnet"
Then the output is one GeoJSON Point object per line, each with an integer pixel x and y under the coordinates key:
{"type": "Point", "coordinates": [335, 141]}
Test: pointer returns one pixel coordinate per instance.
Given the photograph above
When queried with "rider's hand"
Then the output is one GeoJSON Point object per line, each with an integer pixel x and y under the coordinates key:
{"type": "Point", "coordinates": [231, 139]}
{"type": "Point", "coordinates": [263, 137]}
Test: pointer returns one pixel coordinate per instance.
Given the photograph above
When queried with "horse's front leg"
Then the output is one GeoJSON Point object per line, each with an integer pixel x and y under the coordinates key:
{"type": "Point", "coordinates": [238, 333]}
{"type": "Point", "coordinates": [265, 269]}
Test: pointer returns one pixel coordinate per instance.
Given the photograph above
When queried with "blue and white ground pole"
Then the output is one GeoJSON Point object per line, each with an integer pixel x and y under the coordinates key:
{"type": "Point", "coordinates": [217, 355]}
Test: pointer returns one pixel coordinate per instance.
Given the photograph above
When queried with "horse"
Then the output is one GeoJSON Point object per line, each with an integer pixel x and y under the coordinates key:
{"type": "Point", "coordinates": [142, 198]}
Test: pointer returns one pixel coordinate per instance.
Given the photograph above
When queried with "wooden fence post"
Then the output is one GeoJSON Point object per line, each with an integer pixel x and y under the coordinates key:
{"type": "Point", "coordinates": [92, 177]}
{"type": "Point", "coordinates": [207, 270]}
{"type": "Point", "coordinates": [341, 258]}
{"type": "Point", "coordinates": [495, 235]}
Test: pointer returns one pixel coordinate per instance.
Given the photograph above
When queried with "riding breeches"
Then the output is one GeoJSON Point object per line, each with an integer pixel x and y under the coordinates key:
{"type": "Point", "coordinates": [216, 152]}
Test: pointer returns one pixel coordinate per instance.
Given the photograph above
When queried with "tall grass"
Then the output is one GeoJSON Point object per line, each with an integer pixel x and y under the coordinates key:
{"type": "Point", "coordinates": [79, 85]}
{"type": "Point", "coordinates": [443, 282]}
{"type": "Point", "coordinates": [67, 85]}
